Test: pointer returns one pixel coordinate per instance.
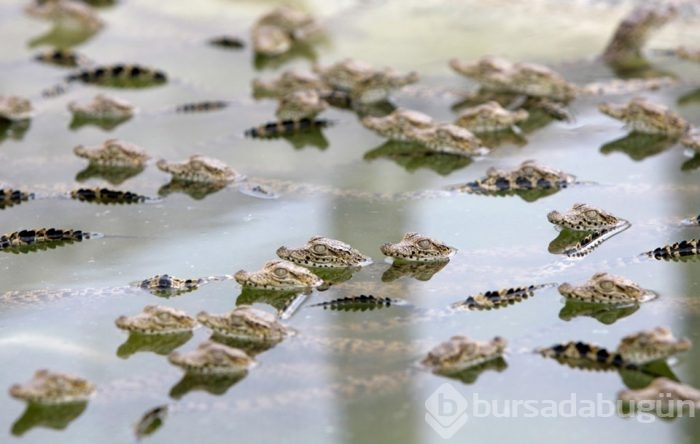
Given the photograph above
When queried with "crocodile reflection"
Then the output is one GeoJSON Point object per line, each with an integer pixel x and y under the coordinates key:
{"type": "Point", "coordinates": [421, 271]}
{"type": "Point", "coordinates": [56, 417]}
{"type": "Point", "coordinates": [13, 130]}
{"type": "Point", "coordinates": [113, 175]}
{"type": "Point", "coordinates": [158, 344]}
{"type": "Point", "coordinates": [638, 146]}
{"type": "Point", "coordinates": [413, 156]}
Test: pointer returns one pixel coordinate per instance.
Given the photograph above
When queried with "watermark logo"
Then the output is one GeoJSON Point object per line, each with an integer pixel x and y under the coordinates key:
{"type": "Point", "coordinates": [446, 411]}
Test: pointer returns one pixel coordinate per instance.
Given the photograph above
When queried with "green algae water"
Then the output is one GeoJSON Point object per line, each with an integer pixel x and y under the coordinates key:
{"type": "Point", "coordinates": [303, 393]}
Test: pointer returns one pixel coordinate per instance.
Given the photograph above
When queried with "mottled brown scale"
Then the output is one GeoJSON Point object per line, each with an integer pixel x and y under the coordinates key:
{"type": "Point", "coordinates": [107, 196]}
{"type": "Point", "coordinates": [581, 354]}
{"type": "Point", "coordinates": [40, 236]}
{"type": "Point", "coordinates": [498, 298]}
{"type": "Point", "coordinates": [676, 251]}
{"type": "Point", "coordinates": [202, 107]}
{"type": "Point", "coordinates": [109, 73]}
{"type": "Point", "coordinates": [61, 57]}
{"type": "Point", "coordinates": [285, 128]}
{"type": "Point", "coordinates": [10, 197]}
{"type": "Point", "coordinates": [356, 303]}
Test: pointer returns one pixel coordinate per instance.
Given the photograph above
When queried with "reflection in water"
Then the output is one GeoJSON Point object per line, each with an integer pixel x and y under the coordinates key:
{"type": "Point", "coordinates": [196, 190]}
{"type": "Point", "coordinates": [151, 421]}
{"type": "Point", "coordinates": [299, 50]}
{"type": "Point", "coordinates": [50, 416]}
{"type": "Point", "coordinates": [638, 146]}
{"type": "Point", "coordinates": [285, 302]}
{"type": "Point", "coordinates": [691, 164]}
{"type": "Point", "coordinates": [471, 374]}
{"type": "Point", "coordinates": [333, 276]}
{"type": "Point", "coordinates": [63, 37]}
{"type": "Point", "coordinates": [604, 313]}
{"type": "Point", "coordinates": [495, 138]}
{"type": "Point", "coordinates": [105, 124]}
{"type": "Point", "coordinates": [161, 344]}
{"type": "Point", "coordinates": [422, 271]}
{"type": "Point", "coordinates": [689, 98]}
{"type": "Point", "coordinates": [358, 303]}
{"type": "Point", "coordinates": [215, 384]}
{"type": "Point", "coordinates": [113, 175]}
{"type": "Point", "coordinates": [251, 348]}
{"type": "Point", "coordinates": [581, 243]}
{"type": "Point", "coordinates": [412, 156]}
{"type": "Point", "coordinates": [14, 130]}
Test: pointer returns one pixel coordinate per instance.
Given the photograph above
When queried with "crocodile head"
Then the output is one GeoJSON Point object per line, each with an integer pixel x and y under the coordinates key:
{"type": "Point", "coordinates": [113, 153]}
{"type": "Point", "coordinates": [460, 352]}
{"type": "Point", "coordinates": [539, 81]}
{"type": "Point", "coordinates": [14, 108]}
{"type": "Point", "coordinates": [650, 345]}
{"type": "Point", "coordinates": [288, 82]}
{"type": "Point", "coordinates": [247, 323]}
{"type": "Point", "coordinates": [167, 284]}
{"type": "Point", "coordinates": [583, 217]}
{"type": "Point", "coordinates": [604, 288]}
{"type": "Point", "coordinates": [490, 116]}
{"type": "Point", "coordinates": [491, 72]}
{"type": "Point", "coordinates": [300, 105]}
{"type": "Point", "coordinates": [103, 106]}
{"type": "Point", "coordinates": [279, 275]}
{"type": "Point", "coordinates": [646, 117]}
{"type": "Point", "coordinates": [201, 169]}
{"type": "Point", "coordinates": [70, 14]}
{"type": "Point", "coordinates": [157, 320]}
{"type": "Point", "coordinates": [418, 248]}
{"type": "Point", "coordinates": [323, 252]}
{"type": "Point", "coordinates": [288, 19]}
{"type": "Point", "coordinates": [451, 139]}
{"type": "Point", "coordinates": [212, 358]}
{"type": "Point", "coordinates": [400, 124]}
{"type": "Point", "coordinates": [48, 387]}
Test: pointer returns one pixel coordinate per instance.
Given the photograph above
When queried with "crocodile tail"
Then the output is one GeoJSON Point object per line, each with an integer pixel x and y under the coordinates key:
{"type": "Point", "coordinates": [285, 128]}
{"type": "Point", "coordinates": [675, 251]}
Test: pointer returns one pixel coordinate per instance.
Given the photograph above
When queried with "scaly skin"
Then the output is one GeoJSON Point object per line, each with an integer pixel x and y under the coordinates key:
{"type": "Point", "coordinates": [66, 13]}
{"type": "Point", "coordinates": [276, 32]}
{"type": "Point", "coordinates": [246, 323]}
{"type": "Point", "coordinates": [279, 275]}
{"type": "Point", "coordinates": [113, 153]}
{"type": "Point", "coordinates": [103, 106]}
{"type": "Point", "coordinates": [490, 117]}
{"type": "Point", "coordinates": [289, 82]}
{"type": "Point", "coordinates": [298, 105]}
{"type": "Point", "coordinates": [10, 197]}
{"type": "Point", "coordinates": [492, 300]}
{"type": "Point", "coordinates": [107, 196]}
{"type": "Point", "coordinates": [63, 57]}
{"type": "Point", "coordinates": [322, 252]}
{"type": "Point", "coordinates": [168, 285]}
{"type": "Point", "coordinates": [676, 251]}
{"type": "Point", "coordinates": [51, 388]}
{"type": "Point", "coordinates": [585, 356]}
{"type": "Point", "coordinates": [284, 128]}
{"type": "Point", "coordinates": [646, 346]}
{"type": "Point", "coordinates": [460, 353]}
{"type": "Point", "coordinates": [15, 108]}
{"type": "Point", "coordinates": [450, 139]}
{"type": "Point", "coordinates": [604, 288]}
{"type": "Point", "coordinates": [400, 125]}
{"type": "Point", "coordinates": [583, 217]}
{"type": "Point", "coordinates": [357, 303]}
{"type": "Point", "coordinates": [38, 237]}
{"type": "Point", "coordinates": [199, 168]}
{"type": "Point", "coordinates": [211, 358]}
{"type": "Point", "coordinates": [364, 83]}
{"type": "Point", "coordinates": [530, 79]}
{"type": "Point", "coordinates": [157, 320]}
{"type": "Point", "coordinates": [124, 75]}
{"type": "Point", "coordinates": [644, 116]}
{"type": "Point", "coordinates": [528, 176]}
{"type": "Point", "coordinates": [414, 247]}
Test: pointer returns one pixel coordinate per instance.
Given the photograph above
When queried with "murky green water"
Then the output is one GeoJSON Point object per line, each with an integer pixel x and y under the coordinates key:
{"type": "Point", "coordinates": [502, 241]}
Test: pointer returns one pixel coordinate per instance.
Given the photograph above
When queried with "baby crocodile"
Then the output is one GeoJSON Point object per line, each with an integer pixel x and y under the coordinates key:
{"type": "Point", "coordinates": [41, 238]}
{"type": "Point", "coordinates": [211, 358]}
{"type": "Point", "coordinates": [414, 247]}
{"type": "Point", "coordinates": [634, 350]}
{"type": "Point", "coordinates": [49, 388]}
{"type": "Point", "coordinates": [357, 303]}
{"type": "Point", "coordinates": [644, 116]}
{"type": "Point", "coordinates": [118, 76]}
{"type": "Point", "coordinates": [64, 57]}
{"type": "Point", "coordinates": [401, 124]}
{"type": "Point", "coordinates": [15, 108]}
{"type": "Point", "coordinates": [322, 252]}
{"type": "Point", "coordinates": [676, 251]}
{"type": "Point", "coordinates": [157, 320]}
{"type": "Point", "coordinates": [10, 197]}
{"type": "Point", "coordinates": [285, 128]}
{"type": "Point", "coordinates": [499, 298]}
{"type": "Point", "coordinates": [490, 117]}
{"type": "Point", "coordinates": [279, 275]}
{"type": "Point", "coordinates": [528, 176]}
{"type": "Point", "coordinates": [102, 107]}
{"type": "Point", "coordinates": [604, 288]}
{"type": "Point", "coordinates": [583, 217]}
{"type": "Point", "coordinates": [460, 353]}
{"type": "Point", "coordinates": [199, 168]}
{"type": "Point", "coordinates": [305, 104]}
{"type": "Point", "coordinates": [113, 153]}
{"type": "Point", "coordinates": [108, 196]}
{"type": "Point", "coordinates": [246, 323]}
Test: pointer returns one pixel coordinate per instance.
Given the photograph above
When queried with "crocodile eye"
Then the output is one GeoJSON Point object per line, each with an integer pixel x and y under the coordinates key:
{"type": "Point", "coordinates": [528, 170]}
{"type": "Point", "coordinates": [320, 249]}
{"type": "Point", "coordinates": [424, 244]}
{"type": "Point", "coordinates": [281, 272]}
{"type": "Point", "coordinates": [607, 285]}
{"type": "Point", "coordinates": [591, 213]}
{"type": "Point", "coordinates": [163, 316]}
